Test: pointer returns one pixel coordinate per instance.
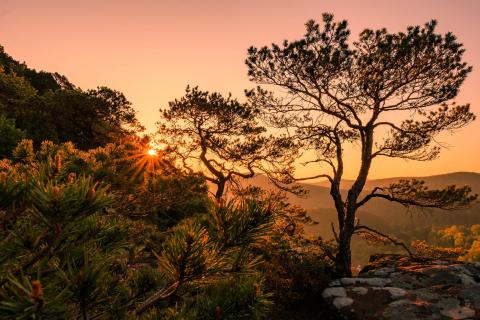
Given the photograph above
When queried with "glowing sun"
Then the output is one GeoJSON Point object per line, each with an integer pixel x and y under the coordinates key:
{"type": "Point", "coordinates": [152, 152]}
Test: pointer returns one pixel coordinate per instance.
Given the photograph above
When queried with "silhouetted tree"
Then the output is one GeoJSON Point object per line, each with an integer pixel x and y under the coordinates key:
{"type": "Point", "coordinates": [42, 81]}
{"type": "Point", "coordinates": [115, 111]}
{"type": "Point", "coordinates": [377, 93]}
{"type": "Point", "coordinates": [221, 136]}
{"type": "Point", "coordinates": [47, 107]}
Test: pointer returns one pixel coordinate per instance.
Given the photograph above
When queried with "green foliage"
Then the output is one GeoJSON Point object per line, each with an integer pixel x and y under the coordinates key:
{"type": "Point", "coordinates": [12, 187]}
{"type": "Point", "coordinates": [48, 107]}
{"type": "Point", "coordinates": [23, 152]}
{"type": "Point", "coordinates": [188, 255]}
{"type": "Point", "coordinates": [40, 80]}
{"type": "Point", "coordinates": [236, 298]}
{"type": "Point", "coordinates": [22, 298]}
{"type": "Point", "coordinates": [296, 268]}
{"type": "Point", "coordinates": [86, 279]}
{"type": "Point", "coordinates": [160, 199]}
{"type": "Point", "coordinates": [65, 203]}
{"type": "Point", "coordinates": [242, 223]}
{"type": "Point", "coordinates": [146, 280]}
{"type": "Point", "coordinates": [296, 272]}
{"type": "Point", "coordinates": [94, 227]}
{"type": "Point", "coordinates": [73, 248]}
{"type": "Point", "coordinates": [9, 136]}
{"type": "Point", "coordinates": [463, 241]}
{"type": "Point", "coordinates": [14, 91]}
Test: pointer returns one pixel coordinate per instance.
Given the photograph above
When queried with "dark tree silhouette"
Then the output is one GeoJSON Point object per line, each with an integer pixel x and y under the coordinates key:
{"type": "Point", "coordinates": [222, 137]}
{"type": "Point", "coordinates": [115, 112]}
{"type": "Point", "coordinates": [336, 94]}
{"type": "Point", "coordinates": [40, 80]}
{"type": "Point", "coordinates": [48, 107]}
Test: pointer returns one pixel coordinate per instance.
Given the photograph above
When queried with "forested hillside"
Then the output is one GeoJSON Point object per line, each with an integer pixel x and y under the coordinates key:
{"type": "Point", "coordinates": [207, 217]}
{"type": "Point", "coordinates": [46, 106]}
{"type": "Point", "coordinates": [408, 224]}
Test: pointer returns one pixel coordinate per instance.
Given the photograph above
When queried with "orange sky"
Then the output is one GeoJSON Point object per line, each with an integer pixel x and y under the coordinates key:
{"type": "Point", "coordinates": [151, 50]}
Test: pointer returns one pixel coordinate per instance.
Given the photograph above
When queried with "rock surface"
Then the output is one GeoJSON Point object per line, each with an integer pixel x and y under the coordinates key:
{"type": "Point", "coordinates": [398, 288]}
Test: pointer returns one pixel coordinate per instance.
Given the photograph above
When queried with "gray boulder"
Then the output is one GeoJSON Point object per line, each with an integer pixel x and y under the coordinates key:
{"type": "Point", "coordinates": [399, 288]}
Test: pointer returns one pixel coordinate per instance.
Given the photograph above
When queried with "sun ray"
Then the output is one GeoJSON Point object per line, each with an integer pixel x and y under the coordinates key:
{"type": "Point", "coordinates": [145, 159]}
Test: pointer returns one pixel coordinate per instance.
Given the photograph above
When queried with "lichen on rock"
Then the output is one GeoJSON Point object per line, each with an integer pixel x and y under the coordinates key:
{"type": "Point", "coordinates": [394, 287]}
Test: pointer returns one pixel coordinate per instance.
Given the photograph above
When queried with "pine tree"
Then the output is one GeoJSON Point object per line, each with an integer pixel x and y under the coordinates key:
{"type": "Point", "coordinates": [70, 248]}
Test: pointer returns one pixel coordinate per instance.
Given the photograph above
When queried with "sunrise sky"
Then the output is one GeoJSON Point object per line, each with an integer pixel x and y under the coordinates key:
{"type": "Point", "coordinates": [150, 50]}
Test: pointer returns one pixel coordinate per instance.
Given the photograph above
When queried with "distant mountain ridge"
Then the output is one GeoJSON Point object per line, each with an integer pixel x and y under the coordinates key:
{"type": "Point", "coordinates": [319, 193]}
{"type": "Point", "coordinates": [389, 217]}
{"type": "Point", "coordinates": [461, 178]}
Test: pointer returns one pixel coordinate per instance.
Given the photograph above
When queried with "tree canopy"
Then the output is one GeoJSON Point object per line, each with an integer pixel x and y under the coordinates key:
{"type": "Point", "coordinates": [222, 137]}
{"type": "Point", "coordinates": [338, 93]}
{"type": "Point", "coordinates": [48, 107]}
{"type": "Point", "coordinates": [97, 222]}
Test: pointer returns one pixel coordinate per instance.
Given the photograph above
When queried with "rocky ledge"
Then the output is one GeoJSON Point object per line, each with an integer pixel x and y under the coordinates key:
{"type": "Point", "coordinates": [400, 288]}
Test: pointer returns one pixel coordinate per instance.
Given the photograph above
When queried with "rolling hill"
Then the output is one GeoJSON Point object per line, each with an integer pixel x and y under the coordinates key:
{"type": "Point", "coordinates": [385, 216]}
{"type": "Point", "coordinates": [382, 214]}
{"type": "Point", "coordinates": [437, 181]}
{"type": "Point", "coordinates": [319, 193]}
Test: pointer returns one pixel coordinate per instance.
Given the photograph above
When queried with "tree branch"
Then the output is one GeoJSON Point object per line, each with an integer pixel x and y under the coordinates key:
{"type": "Point", "coordinates": [160, 295]}
{"type": "Point", "coordinates": [392, 240]}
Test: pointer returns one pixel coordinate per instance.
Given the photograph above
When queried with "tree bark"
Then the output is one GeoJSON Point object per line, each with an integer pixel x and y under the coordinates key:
{"type": "Point", "coordinates": [343, 259]}
{"type": "Point", "coordinates": [220, 189]}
